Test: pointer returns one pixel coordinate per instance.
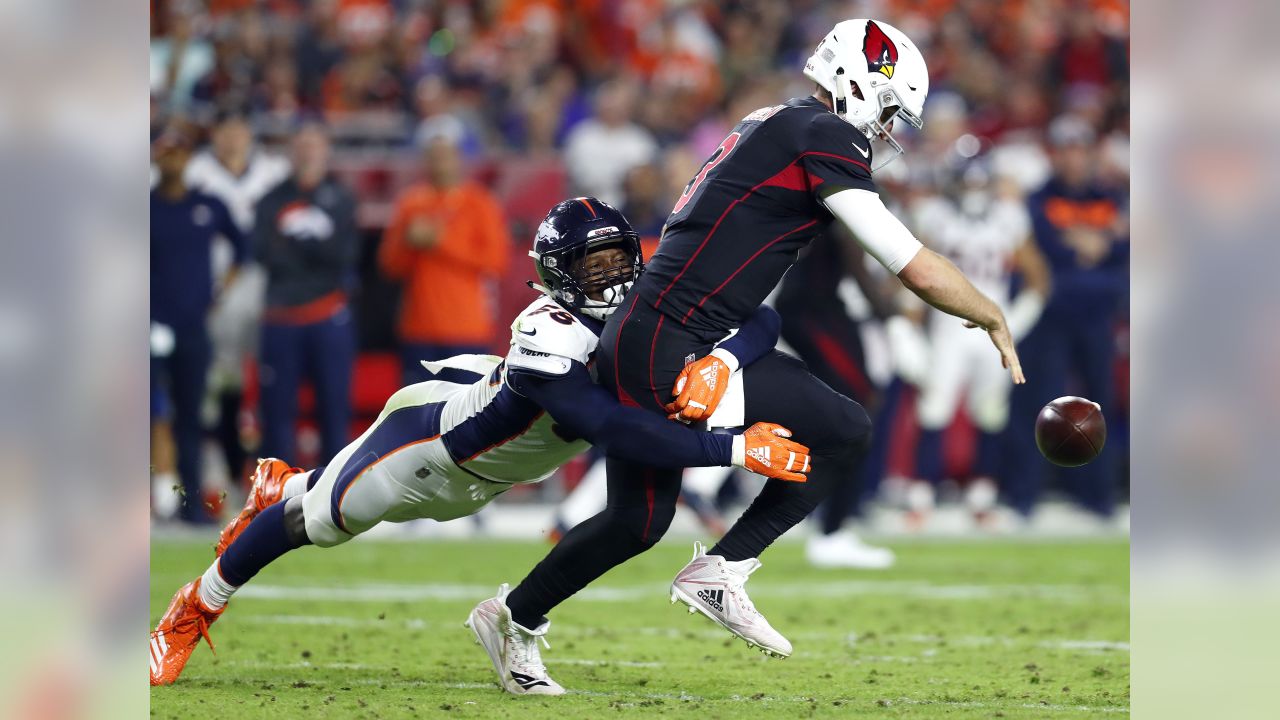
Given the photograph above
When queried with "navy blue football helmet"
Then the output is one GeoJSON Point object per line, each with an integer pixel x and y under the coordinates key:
{"type": "Point", "coordinates": [573, 230]}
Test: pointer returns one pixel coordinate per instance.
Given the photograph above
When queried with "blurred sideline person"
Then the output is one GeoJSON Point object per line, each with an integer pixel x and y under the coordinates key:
{"type": "Point", "coordinates": [239, 174]}
{"type": "Point", "coordinates": [601, 150]}
{"type": "Point", "coordinates": [443, 450]}
{"type": "Point", "coordinates": [448, 244]}
{"type": "Point", "coordinates": [305, 238]}
{"type": "Point", "coordinates": [1081, 228]}
{"type": "Point", "coordinates": [986, 232]}
{"type": "Point", "coordinates": [185, 223]}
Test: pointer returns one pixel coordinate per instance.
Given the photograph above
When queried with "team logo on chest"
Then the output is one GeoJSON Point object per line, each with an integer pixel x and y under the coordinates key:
{"type": "Point", "coordinates": [304, 222]}
{"type": "Point", "coordinates": [881, 53]}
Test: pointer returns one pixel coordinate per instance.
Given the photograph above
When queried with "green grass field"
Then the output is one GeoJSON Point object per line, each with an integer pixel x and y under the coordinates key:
{"type": "Point", "coordinates": [960, 629]}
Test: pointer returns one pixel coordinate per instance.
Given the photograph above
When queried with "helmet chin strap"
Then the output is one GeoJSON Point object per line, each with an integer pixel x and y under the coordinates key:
{"type": "Point", "coordinates": [840, 98]}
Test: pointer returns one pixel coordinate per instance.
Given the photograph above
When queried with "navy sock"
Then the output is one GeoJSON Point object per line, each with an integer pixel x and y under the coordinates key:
{"type": "Point", "coordinates": [259, 545]}
{"type": "Point", "coordinates": [929, 456]}
{"type": "Point", "coordinates": [988, 461]}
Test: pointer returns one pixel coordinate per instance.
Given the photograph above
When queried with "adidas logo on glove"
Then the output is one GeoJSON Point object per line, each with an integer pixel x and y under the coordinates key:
{"type": "Point", "coordinates": [760, 455]}
{"type": "Point", "coordinates": [710, 375]}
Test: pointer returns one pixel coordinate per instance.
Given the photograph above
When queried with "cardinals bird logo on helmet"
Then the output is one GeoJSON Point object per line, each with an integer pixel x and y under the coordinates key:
{"type": "Point", "coordinates": [881, 53]}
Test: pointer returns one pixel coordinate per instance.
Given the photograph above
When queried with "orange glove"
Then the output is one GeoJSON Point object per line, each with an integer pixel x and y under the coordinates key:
{"type": "Point", "coordinates": [701, 386]}
{"type": "Point", "coordinates": [765, 449]}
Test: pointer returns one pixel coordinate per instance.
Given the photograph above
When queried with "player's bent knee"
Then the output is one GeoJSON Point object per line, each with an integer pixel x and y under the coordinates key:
{"type": "Point", "coordinates": [642, 527]}
{"type": "Point", "coordinates": [658, 525]}
{"type": "Point", "coordinates": [850, 427]}
{"type": "Point", "coordinates": [317, 520]}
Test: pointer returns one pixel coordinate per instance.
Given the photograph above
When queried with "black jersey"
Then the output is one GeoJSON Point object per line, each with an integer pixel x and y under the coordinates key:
{"type": "Point", "coordinates": [740, 222]}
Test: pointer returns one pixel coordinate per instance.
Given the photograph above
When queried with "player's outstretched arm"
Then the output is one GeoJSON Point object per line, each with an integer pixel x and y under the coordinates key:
{"type": "Point", "coordinates": [588, 411]}
{"type": "Point", "coordinates": [702, 383]}
{"type": "Point", "coordinates": [941, 284]}
{"type": "Point", "coordinates": [926, 273]}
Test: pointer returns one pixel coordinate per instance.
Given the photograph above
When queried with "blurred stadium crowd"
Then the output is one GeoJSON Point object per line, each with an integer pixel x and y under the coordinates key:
{"type": "Point", "coordinates": [424, 140]}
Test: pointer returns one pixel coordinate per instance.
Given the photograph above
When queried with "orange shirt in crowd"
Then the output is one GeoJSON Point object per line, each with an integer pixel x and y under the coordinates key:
{"type": "Point", "coordinates": [448, 295]}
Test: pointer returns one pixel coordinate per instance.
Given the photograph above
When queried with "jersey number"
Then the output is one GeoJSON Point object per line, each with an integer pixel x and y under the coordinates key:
{"type": "Point", "coordinates": [721, 152]}
{"type": "Point", "coordinates": [556, 314]}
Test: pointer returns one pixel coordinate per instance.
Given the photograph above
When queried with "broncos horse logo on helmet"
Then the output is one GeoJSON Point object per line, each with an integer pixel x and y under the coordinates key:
{"type": "Point", "coordinates": [574, 230]}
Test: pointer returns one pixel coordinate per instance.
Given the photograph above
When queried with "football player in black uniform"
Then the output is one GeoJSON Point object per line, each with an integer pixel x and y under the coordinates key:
{"type": "Point", "coordinates": [777, 181]}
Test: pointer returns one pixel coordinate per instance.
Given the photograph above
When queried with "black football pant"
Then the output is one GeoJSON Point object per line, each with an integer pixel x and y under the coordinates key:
{"type": "Point", "coordinates": [830, 344]}
{"type": "Point", "coordinates": [640, 359]}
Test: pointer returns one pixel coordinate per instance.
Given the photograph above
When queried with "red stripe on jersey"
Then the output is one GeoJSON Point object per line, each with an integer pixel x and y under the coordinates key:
{"type": "Point", "coordinates": [653, 345]}
{"type": "Point", "coordinates": [742, 267]}
{"type": "Point", "coordinates": [837, 157]}
{"type": "Point", "coordinates": [623, 397]}
{"type": "Point", "coordinates": [792, 177]}
{"type": "Point", "coordinates": [777, 180]}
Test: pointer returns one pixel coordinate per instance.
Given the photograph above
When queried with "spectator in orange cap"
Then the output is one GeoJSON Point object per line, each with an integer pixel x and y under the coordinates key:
{"type": "Point", "coordinates": [447, 243]}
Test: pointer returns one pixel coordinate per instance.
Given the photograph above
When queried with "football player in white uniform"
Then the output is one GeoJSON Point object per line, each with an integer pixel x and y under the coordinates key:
{"type": "Point", "coordinates": [442, 450]}
{"type": "Point", "coordinates": [986, 232]}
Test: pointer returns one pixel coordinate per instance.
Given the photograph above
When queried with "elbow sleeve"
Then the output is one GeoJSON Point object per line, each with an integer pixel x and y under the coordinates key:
{"type": "Point", "coordinates": [880, 233]}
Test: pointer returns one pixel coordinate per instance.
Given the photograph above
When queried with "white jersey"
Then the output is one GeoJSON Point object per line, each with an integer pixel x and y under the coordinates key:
{"type": "Point", "coordinates": [235, 321]}
{"type": "Point", "coordinates": [982, 245]}
{"type": "Point", "coordinates": [495, 432]}
{"type": "Point", "coordinates": [240, 193]}
{"type": "Point", "coordinates": [442, 450]}
{"type": "Point", "coordinates": [963, 363]}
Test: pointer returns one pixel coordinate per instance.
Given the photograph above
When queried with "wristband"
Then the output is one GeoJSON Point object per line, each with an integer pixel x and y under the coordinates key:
{"type": "Point", "coordinates": [727, 357]}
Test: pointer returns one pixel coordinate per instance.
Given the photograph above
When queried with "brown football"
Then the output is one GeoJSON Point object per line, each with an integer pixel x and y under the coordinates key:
{"type": "Point", "coordinates": [1071, 431]}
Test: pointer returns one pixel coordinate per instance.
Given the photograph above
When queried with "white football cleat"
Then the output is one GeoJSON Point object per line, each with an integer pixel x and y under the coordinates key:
{"type": "Point", "coordinates": [512, 647]}
{"type": "Point", "coordinates": [714, 587]}
{"type": "Point", "coordinates": [846, 550]}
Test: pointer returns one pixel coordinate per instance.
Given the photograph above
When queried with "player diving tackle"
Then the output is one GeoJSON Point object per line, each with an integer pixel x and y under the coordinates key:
{"type": "Point", "coordinates": [442, 449]}
{"type": "Point", "coordinates": [776, 182]}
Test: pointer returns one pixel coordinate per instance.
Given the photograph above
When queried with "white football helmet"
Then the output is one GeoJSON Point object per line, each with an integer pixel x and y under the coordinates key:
{"type": "Point", "coordinates": [874, 74]}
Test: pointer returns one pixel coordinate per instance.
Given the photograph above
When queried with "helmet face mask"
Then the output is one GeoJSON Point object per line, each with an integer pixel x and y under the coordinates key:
{"type": "Point", "coordinates": [601, 277]}
{"type": "Point", "coordinates": [875, 74]}
{"type": "Point", "coordinates": [587, 256]}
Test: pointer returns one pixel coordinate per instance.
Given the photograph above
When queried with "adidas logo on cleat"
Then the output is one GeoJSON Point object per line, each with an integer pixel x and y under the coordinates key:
{"type": "Point", "coordinates": [714, 598]}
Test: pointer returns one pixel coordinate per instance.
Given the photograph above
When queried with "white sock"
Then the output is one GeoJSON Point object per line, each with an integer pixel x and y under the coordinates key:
{"type": "Point", "coordinates": [296, 485]}
{"type": "Point", "coordinates": [214, 591]}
